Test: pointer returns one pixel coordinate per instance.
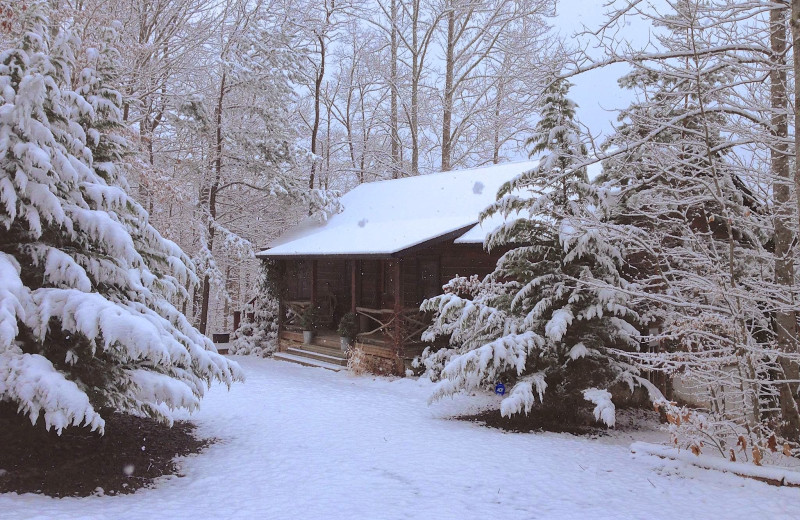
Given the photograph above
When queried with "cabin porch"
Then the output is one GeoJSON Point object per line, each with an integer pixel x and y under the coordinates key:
{"type": "Point", "coordinates": [325, 351]}
{"type": "Point", "coordinates": [389, 339]}
{"type": "Point", "coordinates": [384, 295]}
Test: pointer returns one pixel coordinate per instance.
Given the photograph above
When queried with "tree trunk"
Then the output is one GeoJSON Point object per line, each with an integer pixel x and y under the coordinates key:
{"type": "Point", "coordinates": [362, 172]}
{"type": "Point", "coordinates": [327, 151]}
{"type": "Point", "coordinates": [226, 309]}
{"type": "Point", "coordinates": [786, 321]}
{"type": "Point", "coordinates": [795, 29]}
{"type": "Point", "coordinates": [317, 100]}
{"type": "Point", "coordinates": [447, 103]}
{"type": "Point", "coordinates": [497, 106]}
{"type": "Point", "coordinates": [393, 94]}
{"type": "Point", "coordinates": [415, 90]}
{"type": "Point", "coordinates": [211, 194]}
{"type": "Point", "coordinates": [348, 125]}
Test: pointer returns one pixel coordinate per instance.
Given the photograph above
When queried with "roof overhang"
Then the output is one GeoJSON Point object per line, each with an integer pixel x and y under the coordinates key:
{"type": "Point", "coordinates": [447, 237]}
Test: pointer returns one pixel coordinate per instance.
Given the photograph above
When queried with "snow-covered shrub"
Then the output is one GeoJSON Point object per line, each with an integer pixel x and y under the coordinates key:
{"type": "Point", "coordinates": [86, 283]}
{"type": "Point", "coordinates": [258, 332]}
{"type": "Point", "coordinates": [545, 321]}
{"type": "Point", "coordinates": [713, 432]}
{"type": "Point", "coordinates": [359, 362]}
{"type": "Point", "coordinates": [695, 430]}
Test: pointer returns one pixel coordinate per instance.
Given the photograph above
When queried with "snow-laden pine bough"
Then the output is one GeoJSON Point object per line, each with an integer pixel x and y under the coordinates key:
{"type": "Point", "coordinates": [87, 285]}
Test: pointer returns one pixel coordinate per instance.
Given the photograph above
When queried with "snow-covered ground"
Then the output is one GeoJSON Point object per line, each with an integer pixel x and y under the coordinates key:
{"type": "Point", "coordinates": [306, 443]}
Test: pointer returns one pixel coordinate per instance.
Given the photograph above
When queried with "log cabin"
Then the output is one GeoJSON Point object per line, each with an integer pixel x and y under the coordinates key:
{"type": "Point", "coordinates": [395, 243]}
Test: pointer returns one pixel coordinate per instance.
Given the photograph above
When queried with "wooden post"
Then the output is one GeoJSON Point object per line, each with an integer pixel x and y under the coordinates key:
{"type": "Point", "coordinates": [281, 318]}
{"type": "Point", "coordinates": [237, 318]}
{"type": "Point", "coordinates": [313, 283]}
{"type": "Point", "coordinates": [353, 285]}
{"type": "Point", "coordinates": [282, 295]}
{"type": "Point", "coordinates": [355, 291]}
{"type": "Point", "coordinates": [398, 287]}
{"type": "Point", "coordinates": [398, 314]}
{"type": "Point", "coordinates": [379, 303]}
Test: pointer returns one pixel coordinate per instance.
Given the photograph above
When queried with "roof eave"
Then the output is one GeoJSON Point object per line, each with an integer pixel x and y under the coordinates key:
{"type": "Point", "coordinates": [446, 237]}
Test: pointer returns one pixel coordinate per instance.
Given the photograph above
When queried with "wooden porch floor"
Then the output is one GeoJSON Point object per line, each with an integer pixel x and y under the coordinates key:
{"type": "Point", "coordinates": [380, 346]}
{"type": "Point", "coordinates": [331, 338]}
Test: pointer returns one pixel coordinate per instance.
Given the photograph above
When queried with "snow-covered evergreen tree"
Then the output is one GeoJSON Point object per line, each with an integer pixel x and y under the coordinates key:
{"type": "Point", "coordinates": [699, 168]}
{"type": "Point", "coordinates": [86, 320]}
{"type": "Point", "coordinates": [258, 333]}
{"type": "Point", "coordinates": [546, 318]}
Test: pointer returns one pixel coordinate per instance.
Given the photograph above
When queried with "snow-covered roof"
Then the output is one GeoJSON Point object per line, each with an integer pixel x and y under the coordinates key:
{"type": "Point", "coordinates": [386, 217]}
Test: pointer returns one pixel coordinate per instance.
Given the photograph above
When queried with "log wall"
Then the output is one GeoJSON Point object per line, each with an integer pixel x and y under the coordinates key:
{"type": "Point", "coordinates": [423, 273]}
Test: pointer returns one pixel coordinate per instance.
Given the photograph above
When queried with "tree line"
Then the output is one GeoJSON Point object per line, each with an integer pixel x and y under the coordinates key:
{"type": "Point", "coordinates": [276, 105]}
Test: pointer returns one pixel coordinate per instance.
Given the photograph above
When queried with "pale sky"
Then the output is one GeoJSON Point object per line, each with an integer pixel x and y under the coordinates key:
{"type": "Point", "coordinates": [596, 92]}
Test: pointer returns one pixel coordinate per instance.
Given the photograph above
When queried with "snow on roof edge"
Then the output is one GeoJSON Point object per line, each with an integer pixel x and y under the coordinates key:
{"type": "Point", "coordinates": [443, 236]}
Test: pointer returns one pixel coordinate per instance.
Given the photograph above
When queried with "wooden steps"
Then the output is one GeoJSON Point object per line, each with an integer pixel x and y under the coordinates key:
{"type": "Point", "coordinates": [327, 351]}
{"type": "Point", "coordinates": [324, 352]}
{"type": "Point", "coordinates": [308, 362]}
{"type": "Point", "coordinates": [339, 359]}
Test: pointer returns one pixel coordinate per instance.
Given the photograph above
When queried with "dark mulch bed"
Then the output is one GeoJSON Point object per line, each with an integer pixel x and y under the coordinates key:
{"type": "Point", "coordinates": [132, 453]}
{"type": "Point", "coordinates": [534, 422]}
{"type": "Point", "coordinates": [629, 419]}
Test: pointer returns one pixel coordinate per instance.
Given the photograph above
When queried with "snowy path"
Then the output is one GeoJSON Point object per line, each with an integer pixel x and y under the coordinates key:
{"type": "Point", "coordinates": [311, 444]}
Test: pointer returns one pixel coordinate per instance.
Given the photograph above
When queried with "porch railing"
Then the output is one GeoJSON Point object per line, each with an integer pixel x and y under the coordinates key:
{"type": "Point", "coordinates": [385, 321]}
{"type": "Point", "coordinates": [294, 310]}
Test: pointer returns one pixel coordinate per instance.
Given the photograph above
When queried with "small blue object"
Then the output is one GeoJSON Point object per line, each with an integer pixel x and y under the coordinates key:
{"type": "Point", "coordinates": [500, 389]}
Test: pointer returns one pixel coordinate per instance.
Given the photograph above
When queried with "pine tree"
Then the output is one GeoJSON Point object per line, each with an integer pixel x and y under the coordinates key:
{"type": "Point", "coordinates": [86, 320]}
{"type": "Point", "coordinates": [545, 319]}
